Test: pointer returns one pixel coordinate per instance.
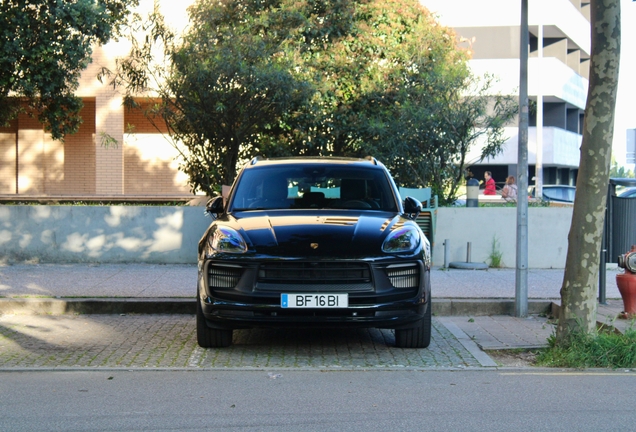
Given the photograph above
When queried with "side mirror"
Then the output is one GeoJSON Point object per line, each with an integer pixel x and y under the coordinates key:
{"type": "Point", "coordinates": [214, 206]}
{"type": "Point", "coordinates": [412, 207]}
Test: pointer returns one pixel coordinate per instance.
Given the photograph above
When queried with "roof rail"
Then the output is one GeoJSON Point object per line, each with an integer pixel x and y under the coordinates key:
{"type": "Point", "coordinates": [372, 160]}
{"type": "Point", "coordinates": [255, 160]}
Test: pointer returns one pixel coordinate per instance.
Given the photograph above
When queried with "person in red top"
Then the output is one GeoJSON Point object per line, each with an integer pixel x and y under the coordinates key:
{"type": "Point", "coordinates": [490, 184]}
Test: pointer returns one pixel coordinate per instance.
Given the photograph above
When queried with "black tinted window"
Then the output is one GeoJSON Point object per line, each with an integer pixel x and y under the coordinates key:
{"type": "Point", "coordinates": [313, 186]}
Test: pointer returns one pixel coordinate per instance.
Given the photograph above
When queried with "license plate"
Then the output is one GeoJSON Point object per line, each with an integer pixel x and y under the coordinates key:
{"type": "Point", "coordinates": [314, 300]}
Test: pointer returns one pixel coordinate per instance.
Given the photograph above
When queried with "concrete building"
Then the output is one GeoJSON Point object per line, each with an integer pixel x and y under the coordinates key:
{"type": "Point", "coordinates": [558, 68]}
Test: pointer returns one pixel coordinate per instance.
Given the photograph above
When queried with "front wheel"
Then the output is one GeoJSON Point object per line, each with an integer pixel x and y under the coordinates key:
{"type": "Point", "coordinates": [418, 336]}
{"type": "Point", "coordinates": [208, 337]}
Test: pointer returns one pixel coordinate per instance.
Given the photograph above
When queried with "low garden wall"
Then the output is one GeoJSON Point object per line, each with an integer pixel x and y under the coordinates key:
{"type": "Point", "coordinates": [169, 234]}
{"type": "Point", "coordinates": [548, 229]}
{"type": "Point", "coordinates": [112, 234]}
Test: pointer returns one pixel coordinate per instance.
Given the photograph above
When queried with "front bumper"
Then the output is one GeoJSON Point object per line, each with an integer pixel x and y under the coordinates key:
{"type": "Point", "coordinates": [250, 302]}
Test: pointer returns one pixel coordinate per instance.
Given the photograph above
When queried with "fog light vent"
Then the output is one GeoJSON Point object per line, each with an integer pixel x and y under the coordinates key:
{"type": "Point", "coordinates": [223, 276]}
{"type": "Point", "coordinates": [404, 275]}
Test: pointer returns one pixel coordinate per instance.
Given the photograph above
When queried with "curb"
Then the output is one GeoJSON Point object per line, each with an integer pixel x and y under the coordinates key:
{"type": "Point", "coordinates": [187, 306]}
{"type": "Point", "coordinates": [75, 306]}
{"type": "Point", "coordinates": [480, 307]}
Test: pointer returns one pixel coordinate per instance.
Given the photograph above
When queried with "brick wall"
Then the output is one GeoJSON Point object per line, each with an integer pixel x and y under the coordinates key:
{"type": "Point", "coordinates": [81, 165]}
{"type": "Point", "coordinates": [46, 166]}
{"type": "Point", "coordinates": [140, 121]}
{"type": "Point", "coordinates": [109, 168]}
{"type": "Point", "coordinates": [79, 155]}
{"type": "Point", "coordinates": [151, 162]}
{"type": "Point", "coordinates": [7, 158]}
{"type": "Point", "coordinates": [30, 155]}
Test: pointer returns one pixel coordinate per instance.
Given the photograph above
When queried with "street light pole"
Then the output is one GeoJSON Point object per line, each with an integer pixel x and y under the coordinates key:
{"type": "Point", "coordinates": [538, 171]}
{"type": "Point", "coordinates": [521, 274]}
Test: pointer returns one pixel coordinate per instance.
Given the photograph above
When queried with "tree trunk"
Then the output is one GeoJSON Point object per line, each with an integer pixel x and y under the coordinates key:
{"type": "Point", "coordinates": [580, 282]}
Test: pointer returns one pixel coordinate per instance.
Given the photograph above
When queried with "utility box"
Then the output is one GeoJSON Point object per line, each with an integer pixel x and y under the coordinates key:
{"type": "Point", "coordinates": [620, 220]}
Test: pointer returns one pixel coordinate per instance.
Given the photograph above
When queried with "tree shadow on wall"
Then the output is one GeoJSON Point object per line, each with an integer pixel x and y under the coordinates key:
{"type": "Point", "coordinates": [144, 175]}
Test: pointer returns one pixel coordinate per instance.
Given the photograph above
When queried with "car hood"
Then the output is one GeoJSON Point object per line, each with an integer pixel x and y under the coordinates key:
{"type": "Point", "coordinates": [298, 234]}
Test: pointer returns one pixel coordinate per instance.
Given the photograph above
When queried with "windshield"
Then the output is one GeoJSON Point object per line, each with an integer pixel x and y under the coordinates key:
{"type": "Point", "coordinates": [313, 186]}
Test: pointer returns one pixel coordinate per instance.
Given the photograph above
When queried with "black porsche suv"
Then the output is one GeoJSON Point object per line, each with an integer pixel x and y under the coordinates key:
{"type": "Point", "coordinates": [314, 242]}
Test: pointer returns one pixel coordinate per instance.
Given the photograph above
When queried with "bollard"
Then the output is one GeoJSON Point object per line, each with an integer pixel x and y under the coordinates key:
{"type": "Point", "coordinates": [464, 265]}
{"type": "Point", "coordinates": [446, 252]}
{"type": "Point", "coordinates": [472, 193]}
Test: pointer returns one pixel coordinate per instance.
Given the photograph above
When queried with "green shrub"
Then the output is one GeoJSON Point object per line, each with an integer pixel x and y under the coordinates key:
{"type": "Point", "coordinates": [582, 350]}
{"type": "Point", "coordinates": [495, 256]}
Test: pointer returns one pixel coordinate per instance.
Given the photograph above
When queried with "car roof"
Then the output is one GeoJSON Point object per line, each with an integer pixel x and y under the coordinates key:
{"type": "Point", "coordinates": [326, 160]}
{"type": "Point", "coordinates": [628, 192]}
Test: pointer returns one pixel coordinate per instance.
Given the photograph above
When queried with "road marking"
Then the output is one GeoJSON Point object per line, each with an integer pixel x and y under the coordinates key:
{"type": "Point", "coordinates": [629, 372]}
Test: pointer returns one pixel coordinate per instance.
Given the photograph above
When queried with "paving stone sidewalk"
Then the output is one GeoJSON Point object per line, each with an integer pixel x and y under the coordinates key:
{"type": "Point", "coordinates": [158, 341]}
{"type": "Point", "coordinates": [169, 341]}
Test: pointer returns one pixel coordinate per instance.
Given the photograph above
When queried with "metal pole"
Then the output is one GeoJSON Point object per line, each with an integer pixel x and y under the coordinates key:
{"type": "Point", "coordinates": [446, 252]}
{"type": "Point", "coordinates": [602, 276]}
{"type": "Point", "coordinates": [521, 275]}
{"type": "Point", "coordinates": [538, 167]}
{"type": "Point", "coordinates": [468, 252]}
{"type": "Point", "coordinates": [602, 269]}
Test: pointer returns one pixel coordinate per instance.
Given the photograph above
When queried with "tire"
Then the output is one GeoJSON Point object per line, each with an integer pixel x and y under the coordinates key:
{"type": "Point", "coordinates": [208, 337]}
{"type": "Point", "coordinates": [418, 336]}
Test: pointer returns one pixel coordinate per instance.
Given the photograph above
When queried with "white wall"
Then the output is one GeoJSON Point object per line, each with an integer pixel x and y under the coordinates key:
{"type": "Point", "coordinates": [548, 229]}
{"type": "Point", "coordinates": [105, 234]}
{"type": "Point", "coordinates": [158, 234]}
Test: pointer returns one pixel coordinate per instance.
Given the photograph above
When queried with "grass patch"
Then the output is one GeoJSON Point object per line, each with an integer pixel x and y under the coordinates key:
{"type": "Point", "coordinates": [495, 256]}
{"type": "Point", "coordinates": [605, 349]}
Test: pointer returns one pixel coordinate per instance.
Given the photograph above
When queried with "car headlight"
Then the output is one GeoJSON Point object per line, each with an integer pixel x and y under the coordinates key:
{"type": "Point", "coordinates": [227, 240]}
{"type": "Point", "coordinates": [403, 239]}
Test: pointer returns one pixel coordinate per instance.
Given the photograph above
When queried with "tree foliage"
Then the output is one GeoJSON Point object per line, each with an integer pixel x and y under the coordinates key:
{"type": "Point", "coordinates": [393, 83]}
{"type": "Point", "coordinates": [317, 77]}
{"type": "Point", "coordinates": [617, 171]}
{"type": "Point", "coordinates": [45, 45]}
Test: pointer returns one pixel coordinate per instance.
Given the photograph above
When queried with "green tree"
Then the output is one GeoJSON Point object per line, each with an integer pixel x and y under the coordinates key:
{"type": "Point", "coordinates": [44, 47]}
{"type": "Point", "coordinates": [620, 171]}
{"type": "Point", "coordinates": [425, 136]}
{"type": "Point", "coordinates": [225, 87]}
{"type": "Point", "coordinates": [315, 77]}
{"type": "Point", "coordinates": [393, 83]}
{"type": "Point", "coordinates": [580, 282]}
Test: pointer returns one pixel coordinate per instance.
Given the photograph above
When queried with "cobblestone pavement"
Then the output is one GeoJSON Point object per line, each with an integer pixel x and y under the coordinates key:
{"type": "Point", "coordinates": [169, 341]}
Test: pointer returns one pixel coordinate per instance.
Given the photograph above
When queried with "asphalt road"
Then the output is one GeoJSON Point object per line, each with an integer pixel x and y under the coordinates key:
{"type": "Point", "coordinates": [292, 400]}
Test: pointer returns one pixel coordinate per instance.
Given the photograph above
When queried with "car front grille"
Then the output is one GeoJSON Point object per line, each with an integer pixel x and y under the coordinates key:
{"type": "Point", "coordinates": [315, 273]}
{"type": "Point", "coordinates": [404, 275]}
